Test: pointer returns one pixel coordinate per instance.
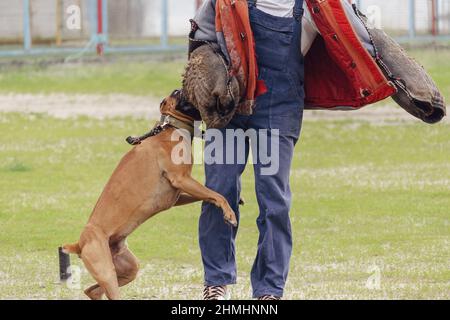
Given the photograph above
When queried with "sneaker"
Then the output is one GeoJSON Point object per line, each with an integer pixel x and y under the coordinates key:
{"type": "Point", "coordinates": [268, 297]}
{"type": "Point", "coordinates": [216, 293]}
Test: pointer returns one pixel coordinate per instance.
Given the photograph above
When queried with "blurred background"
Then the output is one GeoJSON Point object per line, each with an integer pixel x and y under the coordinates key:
{"type": "Point", "coordinates": [39, 26]}
{"type": "Point", "coordinates": [371, 188]}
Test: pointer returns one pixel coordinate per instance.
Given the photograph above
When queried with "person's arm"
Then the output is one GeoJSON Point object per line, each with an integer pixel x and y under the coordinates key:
{"type": "Point", "coordinates": [310, 30]}
{"type": "Point", "coordinates": [205, 19]}
{"type": "Point", "coordinates": [203, 29]}
{"type": "Point", "coordinates": [359, 28]}
{"type": "Point", "coordinates": [203, 26]}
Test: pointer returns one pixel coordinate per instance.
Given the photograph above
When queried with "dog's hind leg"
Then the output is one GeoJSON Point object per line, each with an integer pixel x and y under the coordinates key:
{"type": "Point", "coordinates": [97, 258]}
{"type": "Point", "coordinates": [127, 267]}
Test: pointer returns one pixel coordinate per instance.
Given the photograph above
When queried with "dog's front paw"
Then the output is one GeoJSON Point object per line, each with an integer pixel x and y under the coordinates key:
{"type": "Point", "coordinates": [230, 217]}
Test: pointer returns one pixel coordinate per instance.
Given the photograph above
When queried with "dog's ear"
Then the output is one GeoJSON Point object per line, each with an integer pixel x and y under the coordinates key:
{"type": "Point", "coordinates": [162, 105]}
{"type": "Point", "coordinates": [168, 104]}
{"type": "Point", "coordinates": [176, 94]}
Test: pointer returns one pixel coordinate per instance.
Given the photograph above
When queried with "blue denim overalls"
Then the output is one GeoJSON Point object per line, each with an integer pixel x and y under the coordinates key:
{"type": "Point", "coordinates": [281, 67]}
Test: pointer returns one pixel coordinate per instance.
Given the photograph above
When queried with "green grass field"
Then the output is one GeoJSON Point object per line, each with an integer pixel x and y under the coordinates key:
{"type": "Point", "coordinates": [370, 199]}
{"type": "Point", "coordinates": [142, 76]}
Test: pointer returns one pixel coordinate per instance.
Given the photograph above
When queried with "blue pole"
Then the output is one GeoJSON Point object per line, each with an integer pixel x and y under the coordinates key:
{"type": "Point", "coordinates": [164, 23]}
{"type": "Point", "coordinates": [26, 25]}
{"type": "Point", "coordinates": [105, 21]}
{"type": "Point", "coordinates": [92, 13]}
{"type": "Point", "coordinates": [412, 19]}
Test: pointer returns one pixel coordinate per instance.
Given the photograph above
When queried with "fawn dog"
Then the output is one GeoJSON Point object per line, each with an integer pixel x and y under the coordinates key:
{"type": "Point", "coordinates": [146, 182]}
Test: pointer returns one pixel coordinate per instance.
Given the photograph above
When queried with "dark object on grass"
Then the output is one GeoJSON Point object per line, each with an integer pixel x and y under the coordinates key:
{"type": "Point", "coordinates": [64, 265]}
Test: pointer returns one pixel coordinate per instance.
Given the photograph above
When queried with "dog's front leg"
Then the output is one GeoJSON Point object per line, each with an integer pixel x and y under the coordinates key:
{"type": "Point", "coordinates": [198, 191]}
{"type": "Point", "coordinates": [186, 199]}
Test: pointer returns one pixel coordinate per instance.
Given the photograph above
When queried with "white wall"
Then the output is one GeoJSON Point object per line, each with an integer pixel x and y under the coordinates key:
{"type": "Point", "coordinates": [10, 19]}
{"type": "Point", "coordinates": [180, 11]}
{"type": "Point", "coordinates": [43, 19]}
{"type": "Point", "coordinates": [395, 13]}
{"type": "Point", "coordinates": [147, 13]}
{"type": "Point", "coordinates": [143, 17]}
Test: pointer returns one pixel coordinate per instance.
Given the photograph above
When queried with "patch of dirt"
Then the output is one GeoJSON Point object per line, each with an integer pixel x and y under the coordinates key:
{"type": "Point", "coordinates": [69, 106]}
{"type": "Point", "coordinates": [389, 113]}
{"type": "Point", "coordinates": [120, 105]}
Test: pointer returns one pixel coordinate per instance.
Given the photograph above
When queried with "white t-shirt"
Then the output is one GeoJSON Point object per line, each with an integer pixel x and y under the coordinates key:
{"type": "Point", "coordinates": [285, 8]}
{"type": "Point", "coordinates": [279, 8]}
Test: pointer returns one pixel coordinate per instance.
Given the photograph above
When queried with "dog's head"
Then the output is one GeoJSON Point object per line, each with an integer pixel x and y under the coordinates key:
{"type": "Point", "coordinates": [175, 102]}
{"type": "Point", "coordinates": [170, 103]}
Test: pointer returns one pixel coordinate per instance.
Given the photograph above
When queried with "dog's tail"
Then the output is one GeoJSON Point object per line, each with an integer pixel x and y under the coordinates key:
{"type": "Point", "coordinates": [71, 248]}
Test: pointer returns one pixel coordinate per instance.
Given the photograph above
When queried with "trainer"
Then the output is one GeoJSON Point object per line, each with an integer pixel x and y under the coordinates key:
{"type": "Point", "coordinates": [277, 27]}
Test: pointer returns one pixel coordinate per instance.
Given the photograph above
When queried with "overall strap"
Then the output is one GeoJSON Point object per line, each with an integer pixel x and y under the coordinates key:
{"type": "Point", "coordinates": [251, 3]}
{"type": "Point", "coordinates": [298, 10]}
{"type": "Point", "coordinates": [296, 40]}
